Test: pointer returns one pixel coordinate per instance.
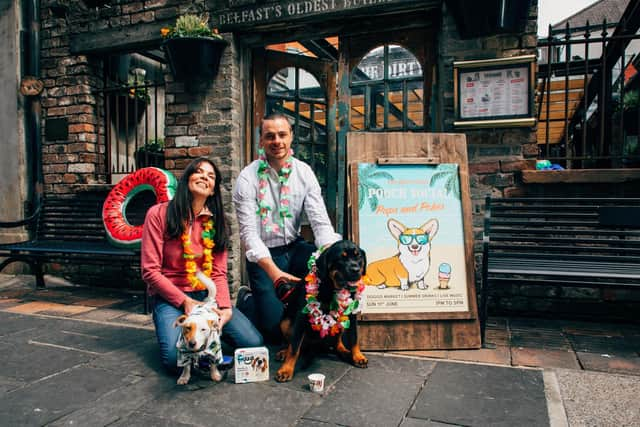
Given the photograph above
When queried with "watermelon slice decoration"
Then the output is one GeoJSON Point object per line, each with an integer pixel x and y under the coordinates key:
{"type": "Point", "coordinates": [121, 232]}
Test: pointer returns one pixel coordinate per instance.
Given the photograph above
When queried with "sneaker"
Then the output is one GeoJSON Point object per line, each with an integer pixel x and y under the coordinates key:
{"type": "Point", "coordinates": [244, 292]}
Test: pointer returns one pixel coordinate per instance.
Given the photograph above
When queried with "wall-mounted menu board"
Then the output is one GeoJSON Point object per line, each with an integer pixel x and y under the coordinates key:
{"type": "Point", "coordinates": [494, 92]}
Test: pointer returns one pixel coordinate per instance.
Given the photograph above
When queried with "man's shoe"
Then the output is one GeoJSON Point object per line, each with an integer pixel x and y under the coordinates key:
{"type": "Point", "coordinates": [244, 292]}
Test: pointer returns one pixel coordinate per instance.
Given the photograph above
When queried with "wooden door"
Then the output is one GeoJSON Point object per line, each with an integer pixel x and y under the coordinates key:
{"type": "Point", "coordinates": [385, 85]}
{"type": "Point", "coordinates": [304, 89]}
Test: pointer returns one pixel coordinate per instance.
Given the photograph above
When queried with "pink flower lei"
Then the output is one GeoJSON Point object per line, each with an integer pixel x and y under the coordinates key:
{"type": "Point", "coordinates": [285, 192]}
{"type": "Point", "coordinates": [340, 308]}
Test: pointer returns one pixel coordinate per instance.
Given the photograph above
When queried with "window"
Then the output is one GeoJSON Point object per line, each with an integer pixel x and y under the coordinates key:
{"type": "Point", "coordinates": [133, 113]}
{"type": "Point", "coordinates": [387, 91]}
{"type": "Point", "coordinates": [296, 93]}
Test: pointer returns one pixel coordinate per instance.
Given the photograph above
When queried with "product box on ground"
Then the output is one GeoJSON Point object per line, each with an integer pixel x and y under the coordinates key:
{"type": "Point", "coordinates": [251, 364]}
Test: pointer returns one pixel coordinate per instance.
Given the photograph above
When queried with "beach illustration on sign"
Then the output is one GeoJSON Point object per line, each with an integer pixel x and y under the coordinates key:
{"type": "Point", "coordinates": [410, 225]}
{"type": "Point", "coordinates": [410, 265]}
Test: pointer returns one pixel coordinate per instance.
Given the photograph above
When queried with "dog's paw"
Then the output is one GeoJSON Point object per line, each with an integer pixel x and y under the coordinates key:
{"type": "Point", "coordinates": [182, 380]}
{"type": "Point", "coordinates": [404, 286]}
{"type": "Point", "coordinates": [361, 361]}
{"type": "Point", "coordinates": [281, 354]}
{"type": "Point", "coordinates": [381, 286]}
{"type": "Point", "coordinates": [284, 375]}
{"type": "Point", "coordinates": [422, 285]}
{"type": "Point", "coordinates": [215, 374]}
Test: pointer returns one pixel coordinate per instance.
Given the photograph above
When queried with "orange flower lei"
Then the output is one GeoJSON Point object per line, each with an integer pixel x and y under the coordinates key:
{"type": "Point", "coordinates": [190, 266]}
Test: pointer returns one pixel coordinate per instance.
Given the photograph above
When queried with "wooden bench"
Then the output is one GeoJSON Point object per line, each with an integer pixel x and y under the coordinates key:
{"type": "Point", "coordinates": [69, 228]}
{"type": "Point", "coordinates": [581, 242]}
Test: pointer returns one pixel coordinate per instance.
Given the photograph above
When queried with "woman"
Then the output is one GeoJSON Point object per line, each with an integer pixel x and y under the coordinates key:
{"type": "Point", "coordinates": [180, 237]}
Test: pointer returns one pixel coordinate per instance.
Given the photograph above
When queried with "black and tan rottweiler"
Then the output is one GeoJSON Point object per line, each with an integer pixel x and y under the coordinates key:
{"type": "Point", "coordinates": [338, 267]}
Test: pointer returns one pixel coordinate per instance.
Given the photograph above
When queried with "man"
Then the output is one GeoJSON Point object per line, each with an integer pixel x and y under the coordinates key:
{"type": "Point", "coordinates": [270, 197]}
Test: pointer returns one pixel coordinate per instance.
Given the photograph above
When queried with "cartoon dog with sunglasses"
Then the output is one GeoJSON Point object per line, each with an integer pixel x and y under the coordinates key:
{"type": "Point", "coordinates": [411, 264]}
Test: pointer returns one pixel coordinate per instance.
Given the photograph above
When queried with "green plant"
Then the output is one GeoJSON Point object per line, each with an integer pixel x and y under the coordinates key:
{"type": "Point", "coordinates": [631, 100]}
{"type": "Point", "coordinates": [152, 146]}
{"type": "Point", "coordinates": [190, 25]}
{"type": "Point", "coordinates": [133, 89]}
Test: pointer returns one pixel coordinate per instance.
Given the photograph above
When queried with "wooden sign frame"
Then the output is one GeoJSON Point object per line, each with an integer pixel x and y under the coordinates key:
{"type": "Point", "coordinates": [419, 330]}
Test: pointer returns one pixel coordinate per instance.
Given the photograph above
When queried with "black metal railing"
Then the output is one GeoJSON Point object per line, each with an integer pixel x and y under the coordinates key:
{"type": "Point", "coordinates": [587, 96]}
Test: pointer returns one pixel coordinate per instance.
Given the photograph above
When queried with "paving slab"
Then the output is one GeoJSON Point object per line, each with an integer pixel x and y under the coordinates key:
{"type": "Point", "coordinates": [117, 404]}
{"type": "Point", "coordinates": [478, 395]}
{"type": "Point", "coordinates": [609, 344]}
{"type": "Point", "coordinates": [53, 397]}
{"type": "Point", "coordinates": [536, 357]}
{"type": "Point", "coordinates": [51, 307]}
{"type": "Point", "coordinates": [227, 404]}
{"type": "Point", "coordinates": [628, 364]}
{"type": "Point", "coordinates": [501, 355]}
{"type": "Point", "coordinates": [380, 395]}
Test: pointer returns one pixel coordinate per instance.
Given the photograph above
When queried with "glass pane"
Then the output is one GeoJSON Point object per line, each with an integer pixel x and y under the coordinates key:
{"type": "Point", "coordinates": [376, 107]}
{"type": "Point", "coordinates": [275, 105]}
{"type": "Point", "coordinates": [304, 123]}
{"type": "Point", "coordinates": [415, 104]}
{"type": "Point", "coordinates": [356, 116]}
{"type": "Point", "coordinates": [396, 107]}
{"type": "Point", "coordinates": [283, 83]}
{"type": "Point", "coordinates": [320, 125]}
{"type": "Point", "coordinates": [371, 67]}
{"type": "Point", "coordinates": [303, 152]}
{"type": "Point", "coordinates": [309, 86]}
{"type": "Point", "coordinates": [402, 63]}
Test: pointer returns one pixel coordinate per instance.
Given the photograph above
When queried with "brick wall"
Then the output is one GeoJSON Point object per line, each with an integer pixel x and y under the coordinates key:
{"type": "Point", "coordinates": [201, 120]}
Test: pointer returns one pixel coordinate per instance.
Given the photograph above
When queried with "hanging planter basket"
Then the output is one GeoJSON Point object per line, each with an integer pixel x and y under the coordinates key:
{"type": "Point", "coordinates": [194, 57]}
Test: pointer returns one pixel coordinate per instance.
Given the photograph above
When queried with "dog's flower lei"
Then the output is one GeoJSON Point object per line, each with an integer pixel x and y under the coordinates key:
{"type": "Point", "coordinates": [340, 308]}
{"type": "Point", "coordinates": [285, 192]}
{"type": "Point", "coordinates": [190, 266]}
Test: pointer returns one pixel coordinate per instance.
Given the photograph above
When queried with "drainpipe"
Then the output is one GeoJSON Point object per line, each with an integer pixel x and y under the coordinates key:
{"type": "Point", "coordinates": [32, 107]}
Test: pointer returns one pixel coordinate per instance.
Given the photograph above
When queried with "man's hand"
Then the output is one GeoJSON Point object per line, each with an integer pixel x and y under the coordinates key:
{"type": "Point", "coordinates": [225, 315]}
{"type": "Point", "coordinates": [274, 272]}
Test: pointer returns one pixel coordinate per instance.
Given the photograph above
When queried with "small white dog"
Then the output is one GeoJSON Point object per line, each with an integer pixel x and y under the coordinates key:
{"type": "Point", "coordinates": [200, 335]}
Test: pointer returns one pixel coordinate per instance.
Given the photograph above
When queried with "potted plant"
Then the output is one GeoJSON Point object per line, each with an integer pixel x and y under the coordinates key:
{"type": "Point", "coordinates": [193, 49]}
{"type": "Point", "coordinates": [150, 154]}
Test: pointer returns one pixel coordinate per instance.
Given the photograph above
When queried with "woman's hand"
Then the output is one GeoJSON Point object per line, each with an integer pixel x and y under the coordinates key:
{"type": "Point", "coordinates": [225, 315]}
{"type": "Point", "coordinates": [189, 304]}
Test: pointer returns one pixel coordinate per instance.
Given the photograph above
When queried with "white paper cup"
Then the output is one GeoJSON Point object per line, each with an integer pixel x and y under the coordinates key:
{"type": "Point", "coordinates": [316, 383]}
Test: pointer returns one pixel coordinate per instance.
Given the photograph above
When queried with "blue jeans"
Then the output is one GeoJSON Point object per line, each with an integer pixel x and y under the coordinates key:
{"type": "Point", "coordinates": [237, 332]}
{"type": "Point", "coordinates": [263, 307]}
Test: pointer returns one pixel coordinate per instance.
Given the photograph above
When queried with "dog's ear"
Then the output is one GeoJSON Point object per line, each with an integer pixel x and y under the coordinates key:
{"type": "Point", "coordinates": [364, 260]}
{"type": "Point", "coordinates": [322, 267]}
{"type": "Point", "coordinates": [179, 321]}
{"type": "Point", "coordinates": [214, 325]}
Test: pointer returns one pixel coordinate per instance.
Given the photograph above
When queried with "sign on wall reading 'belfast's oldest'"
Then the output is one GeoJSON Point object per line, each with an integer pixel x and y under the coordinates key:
{"type": "Point", "coordinates": [246, 13]}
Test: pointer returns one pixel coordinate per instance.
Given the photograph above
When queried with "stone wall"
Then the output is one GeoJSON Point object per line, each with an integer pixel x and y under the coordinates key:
{"type": "Point", "coordinates": [13, 181]}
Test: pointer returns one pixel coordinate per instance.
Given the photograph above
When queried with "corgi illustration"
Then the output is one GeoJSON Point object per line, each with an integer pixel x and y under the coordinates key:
{"type": "Point", "coordinates": [410, 265]}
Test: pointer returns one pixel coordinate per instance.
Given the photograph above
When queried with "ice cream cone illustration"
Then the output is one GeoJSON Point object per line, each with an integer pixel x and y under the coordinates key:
{"type": "Point", "coordinates": [444, 275]}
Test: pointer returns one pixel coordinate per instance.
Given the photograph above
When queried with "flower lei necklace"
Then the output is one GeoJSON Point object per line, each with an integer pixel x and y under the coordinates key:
{"type": "Point", "coordinates": [340, 308]}
{"type": "Point", "coordinates": [190, 266]}
{"type": "Point", "coordinates": [285, 192]}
